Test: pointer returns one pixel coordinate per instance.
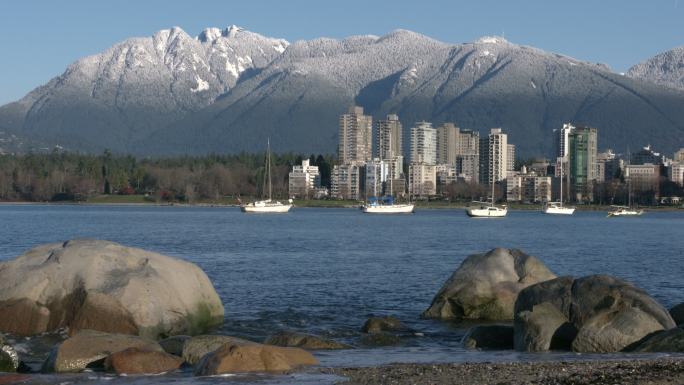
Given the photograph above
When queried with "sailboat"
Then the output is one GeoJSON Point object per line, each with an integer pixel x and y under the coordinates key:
{"type": "Point", "coordinates": [557, 207]}
{"type": "Point", "coordinates": [386, 205]}
{"type": "Point", "coordinates": [626, 211]}
{"type": "Point", "coordinates": [487, 211]}
{"type": "Point", "coordinates": [268, 205]}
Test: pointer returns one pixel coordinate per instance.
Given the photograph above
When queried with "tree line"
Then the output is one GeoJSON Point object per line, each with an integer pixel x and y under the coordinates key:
{"type": "Point", "coordinates": [60, 176]}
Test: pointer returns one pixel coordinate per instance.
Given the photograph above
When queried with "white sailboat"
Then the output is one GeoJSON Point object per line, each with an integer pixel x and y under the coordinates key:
{"type": "Point", "coordinates": [487, 211]}
{"type": "Point", "coordinates": [626, 211]}
{"type": "Point", "coordinates": [268, 205]}
{"type": "Point", "coordinates": [387, 205]}
{"type": "Point", "coordinates": [557, 207]}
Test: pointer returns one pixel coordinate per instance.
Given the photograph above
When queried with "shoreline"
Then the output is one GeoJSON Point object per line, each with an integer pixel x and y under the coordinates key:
{"type": "Point", "coordinates": [325, 204]}
{"type": "Point", "coordinates": [658, 371]}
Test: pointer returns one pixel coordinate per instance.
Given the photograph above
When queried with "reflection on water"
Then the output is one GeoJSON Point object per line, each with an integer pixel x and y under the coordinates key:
{"type": "Point", "coordinates": [324, 271]}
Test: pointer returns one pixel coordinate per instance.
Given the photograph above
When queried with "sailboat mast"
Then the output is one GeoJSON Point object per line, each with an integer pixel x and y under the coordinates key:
{"type": "Point", "coordinates": [268, 145]}
{"type": "Point", "coordinates": [561, 181]}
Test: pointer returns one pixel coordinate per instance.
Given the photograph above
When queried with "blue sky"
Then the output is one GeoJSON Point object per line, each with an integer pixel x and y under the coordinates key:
{"type": "Point", "coordinates": [38, 39]}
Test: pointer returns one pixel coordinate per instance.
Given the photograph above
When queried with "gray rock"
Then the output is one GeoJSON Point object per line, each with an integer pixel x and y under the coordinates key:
{"type": "Point", "coordinates": [383, 324]}
{"type": "Point", "coordinates": [380, 339]}
{"type": "Point", "coordinates": [543, 328]}
{"type": "Point", "coordinates": [486, 286]}
{"type": "Point", "coordinates": [174, 345]}
{"type": "Point", "coordinates": [197, 347]}
{"type": "Point", "coordinates": [89, 348]}
{"type": "Point", "coordinates": [667, 341]}
{"type": "Point", "coordinates": [101, 285]}
{"type": "Point", "coordinates": [9, 359]}
{"type": "Point", "coordinates": [489, 337]}
{"type": "Point", "coordinates": [596, 314]}
{"type": "Point", "coordinates": [304, 341]}
{"type": "Point", "coordinates": [677, 314]}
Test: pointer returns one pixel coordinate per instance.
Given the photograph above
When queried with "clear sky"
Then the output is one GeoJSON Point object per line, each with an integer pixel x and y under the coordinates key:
{"type": "Point", "coordinates": [38, 39]}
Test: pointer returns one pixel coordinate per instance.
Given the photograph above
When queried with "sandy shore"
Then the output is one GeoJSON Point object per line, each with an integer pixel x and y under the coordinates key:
{"type": "Point", "coordinates": [661, 371]}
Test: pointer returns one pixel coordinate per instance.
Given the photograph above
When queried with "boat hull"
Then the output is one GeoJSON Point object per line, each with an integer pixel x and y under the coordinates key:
{"type": "Point", "coordinates": [559, 210]}
{"type": "Point", "coordinates": [266, 209]}
{"type": "Point", "coordinates": [486, 212]}
{"type": "Point", "coordinates": [388, 209]}
{"type": "Point", "coordinates": [625, 213]}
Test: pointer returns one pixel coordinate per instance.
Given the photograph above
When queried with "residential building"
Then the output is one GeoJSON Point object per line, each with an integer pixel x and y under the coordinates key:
{"type": "Point", "coordinates": [389, 144]}
{"type": "Point", "coordinates": [377, 177]}
{"type": "Point", "coordinates": [562, 140]}
{"type": "Point", "coordinates": [468, 167]}
{"type": "Point", "coordinates": [643, 178]}
{"type": "Point", "coordinates": [607, 166]}
{"type": "Point", "coordinates": [355, 137]}
{"type": "Point", "coordinates": [304, 180]}
{"type": "Point", "coordinates": [424, 143]}
{"type": "Point", "coordinates": [448, 143]}
{"type": "Point", "coordinates": [493, 157]}
{"type": "Point", "coordinates": [582, 168]}
{"type": "Point", "coordinates": [346, 182]}
{"type": "Point", "coordinates": [445, 175]}
{"type": "Point", "coordinates": [676, 173]}
{"type": "Point", "coordinates": [422, 179]}
{"type": "Point", "coordinates": [679, 156]}
{"type": "Point", "coordinates": [528, 187]}
{"type": "Point", "coordinates": [510, 156]}
{"type": "Point", "coordinates": [646, 155]}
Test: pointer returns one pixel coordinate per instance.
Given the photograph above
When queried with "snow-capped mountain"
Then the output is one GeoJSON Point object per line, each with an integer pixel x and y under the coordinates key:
{"type": "Point", "coordinates": [666, 69]}
{"type": "Point", "coordinates": [226, 90]}
{"type": "Point", "coordinates": [117, 97]}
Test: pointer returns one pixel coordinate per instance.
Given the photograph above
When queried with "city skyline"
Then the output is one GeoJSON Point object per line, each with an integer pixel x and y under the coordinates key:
{"type": "Point", "coordinates": [44, 37]}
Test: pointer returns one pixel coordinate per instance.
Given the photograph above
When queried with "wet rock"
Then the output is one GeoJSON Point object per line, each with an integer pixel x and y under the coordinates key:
{"type": "Point", "coordinates": [197, 347]}
{"type": "Point", "coordinates": [174, 345]}
{"type": "Point", "coordinates": [380, 339]}
{"type": "Point", "coordinates": [101, 285]}
{"type": "Point", "coordinates": [249, 358]}
{"type": "Point", "coordinates": [9, 359]}
{"type": "Point", "coordinates": [666, 341]}
{"type": "Point", "coordinates": [383, 324]}
{"type": "Point", "coordinates": [89, 348]}
{"type": "Point", "coordinates": [140, 361]}
{"type": "Point", "coordinates": [485, 286]}
{"type": "Point", "coordinates": [304, 341]}
{"type": "Point", "coordinates": [597, 313]}
{"type": "Point", "coordinates": [677, 314]}
{"type": "Point", "coordinates": [13, 378]}
{"type": "Point", "coordinates": [495, 337]}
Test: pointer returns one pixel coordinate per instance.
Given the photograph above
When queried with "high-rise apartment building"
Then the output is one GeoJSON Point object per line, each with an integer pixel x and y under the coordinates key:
{"type": "Point", "coordinates": [346, 181]}
{"type": "Point", "coordinates": [493, 157]}
{"type": "Point", "coordinates": [422, 179]}
{"type": "Point", "coordinates": [562, 140]}
{"type": "Point", "coordinates": [448, 141]}
{"type": "Point", "coordinates": [607, 166]}
{"type": "Point", "coordinates": [582, 162]}
{"type": "Point", "coordinates": [510, 156]}
{"type": "Point", "coordinates": [389, 137]}
{"type": "Point", "coordinates": [423, 143]}
{"type": "Point", "coordinates": [355, 137]}
{"type": "Point", "coordinates": [679, 156]}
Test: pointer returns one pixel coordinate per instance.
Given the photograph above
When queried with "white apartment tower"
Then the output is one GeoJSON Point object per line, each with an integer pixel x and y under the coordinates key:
{"type": "Point", "coordinates": [423, 144]}
{"type": "Point", "coordinates": [448, 143]}
{"type": "Point", "coordinates": [493, 157]}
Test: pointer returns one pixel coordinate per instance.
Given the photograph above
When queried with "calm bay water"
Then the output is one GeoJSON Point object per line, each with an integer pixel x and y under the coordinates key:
{"type": "Point", "coordinates": [324, 271]}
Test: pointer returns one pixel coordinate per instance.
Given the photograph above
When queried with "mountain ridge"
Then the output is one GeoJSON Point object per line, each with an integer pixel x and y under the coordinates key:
{"type": "Point", "coordinates": [224, 90]}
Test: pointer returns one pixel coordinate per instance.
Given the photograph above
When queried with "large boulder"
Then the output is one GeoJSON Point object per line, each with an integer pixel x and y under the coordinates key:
{"type": "Point", "coordinates": [174, 344]}
{"type": "Point", "coordinates": [486, 337]}
{"type": "Point", "coordinates": [677, 314]}
{"type": "Point", "coordinates": [101, 285]}
{"type": "Point", "coordinates": [304, 341]}
{"type": "Point", "coordinates": [89, 348]}
{"type": "Point", "coordinates": [141, 361]}
{"type": "Point", "coordinates": [197, 347]}
{"type": "Point", "coordinates": [249, 358]}
{"type": "Point", "coordinates": [668, 341]}
{"type": "Point", "coordinates": [593, 314]}
{"type": "Point", "coordinates": [486, 286]}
